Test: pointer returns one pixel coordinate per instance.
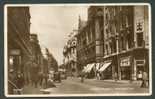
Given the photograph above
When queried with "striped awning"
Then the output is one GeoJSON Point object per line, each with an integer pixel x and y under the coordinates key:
{"type": "Point", "coordinates": [89, 68]}
{"type": "Point", "coordinates": [104, 66]}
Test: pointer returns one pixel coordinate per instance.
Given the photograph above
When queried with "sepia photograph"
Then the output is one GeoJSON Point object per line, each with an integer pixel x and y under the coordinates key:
{"type": "Point", "coordinates": [77, 50]}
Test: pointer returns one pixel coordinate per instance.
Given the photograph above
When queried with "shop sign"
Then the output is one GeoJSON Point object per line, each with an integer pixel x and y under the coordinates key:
{"type": "Point", "coordinates": [140, 62]}
{"type": "Point", "coordinates": [140, 26]}
{"type": "Point", "coordinates": [14, 52]}
{"type": "Point", "coordinates": [125, 61]}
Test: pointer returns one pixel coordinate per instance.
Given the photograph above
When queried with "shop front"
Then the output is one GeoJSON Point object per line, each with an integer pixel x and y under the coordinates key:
{"type": "Point", "coordinates": [14, 60]}
{"type": "Point", "coordinates": [140, 68]}
{"type": "Point", "coordinates": [106, 70]}
{"type": "Point", "coordinates": [141, 63]}
{"type": "Point", "coordinates": [125, 68]}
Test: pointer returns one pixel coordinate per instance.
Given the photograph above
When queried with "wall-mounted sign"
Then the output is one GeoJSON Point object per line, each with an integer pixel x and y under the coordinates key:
{"type": "Point", "coordinates": [14, 52]}
{"type": "Point", "coordinates": [140, 25]}
{"type": "Point", "coordinates": [125, 61]}
{"type": "Point", "coordinates": [140, 62]}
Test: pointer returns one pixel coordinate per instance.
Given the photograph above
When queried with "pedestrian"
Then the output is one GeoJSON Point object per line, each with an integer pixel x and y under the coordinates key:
{"type": "Point", "coordinates": [20, 80]}
{"type": "Point", "coordinates": [145, 82]}
{"type": "Point", "coordinates": [115, 76]}
{"type": "Point", "coordinates": [98, 75]}
{"type": "Point", "coordinates": [40, 78]}
{"type": "Point", "coordinates": [45, 79]}
{"type": "Point", "coordinates": [35, 73]}
{"type": "Point", "coordinates": [82, 77]}
{"type": "Point", "coordinates": [26, 72]}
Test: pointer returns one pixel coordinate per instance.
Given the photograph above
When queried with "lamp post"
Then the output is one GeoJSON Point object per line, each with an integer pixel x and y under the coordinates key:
{"type": "Point", "coordinates": [117, 48]}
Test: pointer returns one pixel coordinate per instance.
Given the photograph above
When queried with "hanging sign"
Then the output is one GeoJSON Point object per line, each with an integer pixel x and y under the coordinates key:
{"type": "Point", "coordinates": [125, 61]}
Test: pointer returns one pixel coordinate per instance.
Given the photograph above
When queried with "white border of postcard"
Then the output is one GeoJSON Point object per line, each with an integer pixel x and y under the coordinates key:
{"type": "Point", "coordinates": [76, 95]}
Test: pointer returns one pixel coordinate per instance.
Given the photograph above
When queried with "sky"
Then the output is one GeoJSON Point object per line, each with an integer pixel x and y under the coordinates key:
{"type": "Point", "coordinates": [53, 24]}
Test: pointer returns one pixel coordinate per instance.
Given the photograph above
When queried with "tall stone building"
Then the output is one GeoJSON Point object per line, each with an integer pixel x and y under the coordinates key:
{"type": "Point", "coordinates": [18, 43]}
{"type": "Point", "coordinates": [90, 38]}
{"type": "Point", "coordinates": [18, 29]}
{"type": "Point", "coordinates": [70, 55]}
{"type": "Point", "coordinates": [116, 37]}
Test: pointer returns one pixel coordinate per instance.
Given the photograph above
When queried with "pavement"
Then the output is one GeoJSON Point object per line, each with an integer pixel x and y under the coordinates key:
{"type": "Point", "coordinates": [29, 89]}
{"type": "Point", "coordinates": [89, 86]}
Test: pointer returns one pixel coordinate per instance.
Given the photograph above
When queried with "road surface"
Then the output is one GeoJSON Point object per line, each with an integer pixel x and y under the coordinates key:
{"type": "Point", "coordinates": [92, 86]}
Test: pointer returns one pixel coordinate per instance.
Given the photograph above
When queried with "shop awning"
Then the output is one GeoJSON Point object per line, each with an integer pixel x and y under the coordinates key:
{"type": "Point", "coordinates": [85, 68]}
{"type": "Point", "coordinates": [105, 65]}
{"type": "Point", "coordinates": [90, 66]}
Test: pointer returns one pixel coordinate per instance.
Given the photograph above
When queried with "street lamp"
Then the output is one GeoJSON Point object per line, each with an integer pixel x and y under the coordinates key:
{"type": "Point", "coordinates": [117, 49]}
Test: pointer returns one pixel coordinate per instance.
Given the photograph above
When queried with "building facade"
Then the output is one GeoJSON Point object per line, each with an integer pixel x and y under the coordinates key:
{"type": "Point", "coordinates": [18, 41]}
{"type": "Point", "coordinates": [70, 55]}
{"type": "Point", "coordinates": [36, 51]}
{"type": "Point", "coordinates": [51, 61]}
{"type": "Point", "coordinates": [90, 38]}
{"type": "Point", "coordinates": [117, 35]}
{"type": "Point", "coordinates": [18, 44]}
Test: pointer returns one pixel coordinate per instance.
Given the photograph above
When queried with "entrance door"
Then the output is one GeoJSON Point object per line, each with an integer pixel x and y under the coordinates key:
{"type": "Point", "coordinates": [140, 68]}
{"type": "Point", "coordinates": [15, 63]}
{"type": "Point", "coordinates": [125, 73]}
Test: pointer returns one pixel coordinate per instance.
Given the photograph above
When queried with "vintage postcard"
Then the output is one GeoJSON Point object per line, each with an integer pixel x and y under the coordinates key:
{"type": "Point", "coordinates": [78, 50]}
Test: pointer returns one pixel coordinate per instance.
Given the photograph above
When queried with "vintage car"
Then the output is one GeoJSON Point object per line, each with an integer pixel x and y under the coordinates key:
{"type": "Point", "coordinates": [63, 75]}
{"type": "Point", "coordinates": [57, 77]}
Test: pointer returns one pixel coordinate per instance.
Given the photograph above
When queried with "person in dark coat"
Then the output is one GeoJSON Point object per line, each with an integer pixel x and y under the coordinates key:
{"type": "Point", "coordinates": [41, 78]}
{"type": "Point", "coordinates": [45, 79]}
{"type": "Point", "coordinates": [82, 77]}
{"type": "Point", "coordinates": [35, 72]}
{"type": "Point", "coordinates": [20, 80]}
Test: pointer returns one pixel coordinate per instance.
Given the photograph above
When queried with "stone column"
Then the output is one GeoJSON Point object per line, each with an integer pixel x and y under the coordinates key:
{"type": "Point", "coordinates": [99, 47]}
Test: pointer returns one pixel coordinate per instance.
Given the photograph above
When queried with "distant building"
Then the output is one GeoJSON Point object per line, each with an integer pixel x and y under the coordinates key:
{"type": "Point", "coordinates": [52, 62]}
{"type": "Point", "coordinates": [70, 55]}
{"type": "Point", "coordinates": [36, 51]}
{"type": "Point", "coordinates": [116, 37]}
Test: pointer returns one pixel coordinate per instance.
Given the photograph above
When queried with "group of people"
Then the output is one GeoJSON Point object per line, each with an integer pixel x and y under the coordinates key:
{"type": "Point", "coordinates": [31, 75]}
{"type": "Point", "coordinates": [34, 75]}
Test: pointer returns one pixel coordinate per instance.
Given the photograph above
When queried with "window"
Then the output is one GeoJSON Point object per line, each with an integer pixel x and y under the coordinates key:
{"type": "Point", "coordinates": [106, 49]}
{"type": "Point", "coordinates": [140, 39]}
{"type": "Point", "coordinates": [129, 38]}
{"type": "Point", "coordinates": [114, 45]}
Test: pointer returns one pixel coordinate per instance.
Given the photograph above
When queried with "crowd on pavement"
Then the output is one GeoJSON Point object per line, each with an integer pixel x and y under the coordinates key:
{"type": "Point", "coordinates": [32, 76]}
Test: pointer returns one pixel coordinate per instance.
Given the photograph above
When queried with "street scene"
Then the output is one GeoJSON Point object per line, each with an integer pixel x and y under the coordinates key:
{"type": "Point", "coordinates": [84, 50]}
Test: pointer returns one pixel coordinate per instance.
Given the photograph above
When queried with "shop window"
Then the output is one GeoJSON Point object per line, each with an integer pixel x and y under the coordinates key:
{"type": "Point", "coordinates": [140, 39]}
{"type": "Point", "coordinates": [124, 44]}
{"type": "Point", "coordinates": [129, 38]}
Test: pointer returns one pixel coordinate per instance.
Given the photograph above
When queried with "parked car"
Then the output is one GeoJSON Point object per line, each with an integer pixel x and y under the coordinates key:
{"type": "Point", "coordinates": [57, 77]}
{"type": "Point", "coordinates": [63, 75]}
